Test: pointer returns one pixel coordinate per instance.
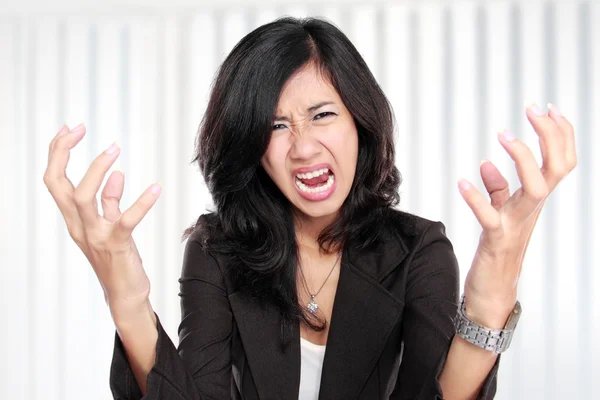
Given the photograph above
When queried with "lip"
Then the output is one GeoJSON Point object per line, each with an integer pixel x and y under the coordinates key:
{"type": "Point", "coordinates": [317, 196]}
{"type": "Point", "coordinates": [312, 168]}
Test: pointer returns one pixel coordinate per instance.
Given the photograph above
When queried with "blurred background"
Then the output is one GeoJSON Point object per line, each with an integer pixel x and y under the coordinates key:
{"type": "Point", "coordinates": [139, 71]}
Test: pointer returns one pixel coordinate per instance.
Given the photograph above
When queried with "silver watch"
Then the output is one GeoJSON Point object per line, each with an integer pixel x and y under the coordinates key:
{"type": "Point", "coordinates": [496, 340]}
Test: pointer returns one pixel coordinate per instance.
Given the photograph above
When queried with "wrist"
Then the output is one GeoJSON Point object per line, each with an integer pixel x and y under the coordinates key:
{"type": "Point", "coordinates": [485, 336]}
{"type": "Point", "coordinates": [491, 319]}
{"type": "Point", "coordinates": [127, 314]}
{"type": "Point", "coordinates": [491, 314]}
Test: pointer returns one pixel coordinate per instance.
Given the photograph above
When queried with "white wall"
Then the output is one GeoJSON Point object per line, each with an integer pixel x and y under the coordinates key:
{"type": "Point", "coordinates": [139, 71]}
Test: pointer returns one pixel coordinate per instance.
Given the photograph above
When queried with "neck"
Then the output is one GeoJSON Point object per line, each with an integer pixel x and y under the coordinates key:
{"type": "Point", "coordinates": [308, 230]}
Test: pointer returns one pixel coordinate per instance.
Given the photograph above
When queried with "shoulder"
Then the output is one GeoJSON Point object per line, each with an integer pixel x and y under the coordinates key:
{"type": "Point", "coordinates": [198, 261]}
{"type": "Point", "coordinates": [413, 231]}
{"type": "Point", "coordinates": [205, 229]}
{"type": "Point", "coordinates": [428, 263]}
{"type": "Point", "coordinates": [404, 239]}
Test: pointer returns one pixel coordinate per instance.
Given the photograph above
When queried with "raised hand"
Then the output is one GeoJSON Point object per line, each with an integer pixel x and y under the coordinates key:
{"type": "Point", "coordinates": [105, 240]}
{"type": "Point", "coordinates": [508, 221]}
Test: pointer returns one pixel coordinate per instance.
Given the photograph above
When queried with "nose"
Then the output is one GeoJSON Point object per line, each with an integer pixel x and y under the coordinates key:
{"type": "Point", "coordinates": [304, 145]}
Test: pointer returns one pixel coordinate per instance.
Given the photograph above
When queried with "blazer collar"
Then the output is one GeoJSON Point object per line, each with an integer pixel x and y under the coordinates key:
{"type": "Point", "coordinates": [363, 316]}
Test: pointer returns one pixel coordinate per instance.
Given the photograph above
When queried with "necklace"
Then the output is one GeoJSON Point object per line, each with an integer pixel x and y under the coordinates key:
{"type": "Point", "coordinates": [312, 305]}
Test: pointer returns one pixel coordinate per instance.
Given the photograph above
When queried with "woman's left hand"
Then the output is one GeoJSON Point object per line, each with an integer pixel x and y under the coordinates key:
{"type": "Point", "coordinates": [508, 221]}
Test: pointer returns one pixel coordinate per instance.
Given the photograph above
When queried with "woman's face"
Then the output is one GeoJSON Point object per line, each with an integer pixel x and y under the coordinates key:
{"type": "Point", "coordinates": [314, 145]}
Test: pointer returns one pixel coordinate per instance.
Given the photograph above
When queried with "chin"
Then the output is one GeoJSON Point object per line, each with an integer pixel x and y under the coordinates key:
{"type": "Point", "coordinates": [318, 212]}
{"type": "Point", "coordinates": [318, 209]}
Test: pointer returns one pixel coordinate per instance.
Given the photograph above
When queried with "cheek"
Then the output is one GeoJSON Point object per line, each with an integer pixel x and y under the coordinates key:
{"type": "Point", "coordinates": [273, 161]}
{"type": "Point", "coordinates": [351, 140]}
{"type": "Point", "coordinates": [351, 155]}
{"type": "Point", "coordinates": [347, 155]}
{"type": "Point", "coordinates": [344, 145]}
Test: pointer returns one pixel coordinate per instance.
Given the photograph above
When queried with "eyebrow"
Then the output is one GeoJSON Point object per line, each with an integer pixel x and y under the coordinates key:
{"type": "Point", "coordinates": [309, 109]}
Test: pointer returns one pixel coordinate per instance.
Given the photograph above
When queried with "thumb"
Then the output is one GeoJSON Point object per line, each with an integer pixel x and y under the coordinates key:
{"type": "Point", "coordinates": [111, 195]}
{"type": "Point", "coordinates": [134, 214]}
{"type": "Point", "coordinates": [495, 184]}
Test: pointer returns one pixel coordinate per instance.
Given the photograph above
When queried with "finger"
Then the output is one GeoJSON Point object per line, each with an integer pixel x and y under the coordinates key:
{"type": "Point", "coordinates": [85, 193]}
{"type": "Point", "coordinates": [134, 214]}
{"type": "Point", "coordinates": [495, 184]}
{"type": "Point", "coordinates": [60, 150]}
{"type": "Point", "coordinates": [552, 144]}
{"type": "Point", "coordinates": [63, 130]}
{"type": "Point", "coordinates": [569, 135]}
{"type": "Point", "coordinates": [55, 178]}
{"type": "Point", "coordinates": [111, 196]}
{"type": "Point", "coordinates": [488, 217]}
{"type": "Point", "coordinates": [534, 186]}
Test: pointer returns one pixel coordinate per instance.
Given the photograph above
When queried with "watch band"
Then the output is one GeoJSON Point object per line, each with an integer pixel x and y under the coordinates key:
{"type": "Point", "coordinates": [496, 340]}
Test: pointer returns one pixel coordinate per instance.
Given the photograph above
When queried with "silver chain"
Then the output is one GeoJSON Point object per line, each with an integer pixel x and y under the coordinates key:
{"type": "Point", "coordinates": [323, 285]}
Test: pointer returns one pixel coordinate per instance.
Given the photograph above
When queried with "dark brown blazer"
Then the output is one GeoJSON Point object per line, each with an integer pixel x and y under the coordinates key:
{"type": "Point", "coordinates": [390, 329]}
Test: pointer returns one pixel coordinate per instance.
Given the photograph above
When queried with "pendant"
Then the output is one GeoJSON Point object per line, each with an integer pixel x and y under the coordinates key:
{"type": "Point", "coordinates": [312, 306]}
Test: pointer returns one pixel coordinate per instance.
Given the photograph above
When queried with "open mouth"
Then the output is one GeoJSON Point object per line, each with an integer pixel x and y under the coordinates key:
{"type": "Point", "coordinates": [315, 181]}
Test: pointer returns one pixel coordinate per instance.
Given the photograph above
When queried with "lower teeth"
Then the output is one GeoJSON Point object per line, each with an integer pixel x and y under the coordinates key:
{"type": "Point", "coordinates": [317, 189]}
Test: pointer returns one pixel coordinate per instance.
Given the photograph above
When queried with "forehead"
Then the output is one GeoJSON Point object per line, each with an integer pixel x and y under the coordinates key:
{"type": "Point", "coordinates": [305, 88]}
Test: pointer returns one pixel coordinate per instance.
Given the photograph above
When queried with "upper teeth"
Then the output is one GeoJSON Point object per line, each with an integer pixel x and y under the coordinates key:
{"type": "Point", "coordinates": [312, 174]}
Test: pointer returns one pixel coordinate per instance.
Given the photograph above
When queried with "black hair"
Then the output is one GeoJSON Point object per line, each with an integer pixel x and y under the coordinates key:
{"type": "Point", "coordinates": [253, 218]}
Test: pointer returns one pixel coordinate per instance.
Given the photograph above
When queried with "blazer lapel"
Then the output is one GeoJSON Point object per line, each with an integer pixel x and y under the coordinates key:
{"type": "Point", "coordinates": [276, 373]}
{"type": "Point", "coordinates": [364, 314]}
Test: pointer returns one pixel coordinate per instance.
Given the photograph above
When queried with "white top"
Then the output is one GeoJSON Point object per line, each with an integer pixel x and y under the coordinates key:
{"type": "Point", "coordinates": [311, 364]}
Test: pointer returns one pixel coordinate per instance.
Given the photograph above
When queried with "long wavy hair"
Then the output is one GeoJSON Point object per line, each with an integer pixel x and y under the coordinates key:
{"type": "Point", "coordinates": [253, 224]}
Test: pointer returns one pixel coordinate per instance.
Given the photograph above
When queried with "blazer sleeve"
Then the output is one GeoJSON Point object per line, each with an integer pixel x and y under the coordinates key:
{"type": "Point", "coordinates": [200, 368]}
{"type": "Point", "coordinates": [431, 302]}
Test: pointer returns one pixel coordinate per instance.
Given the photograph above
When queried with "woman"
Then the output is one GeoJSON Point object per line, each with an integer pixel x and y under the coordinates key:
{"type": "Point", "coordinates": [304, 251]}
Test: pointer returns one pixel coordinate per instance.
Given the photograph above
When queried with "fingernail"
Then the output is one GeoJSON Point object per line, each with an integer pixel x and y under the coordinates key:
{"type": "Point", "coordinates": [113, 147]}
{"type": "Point", "coordinates": [63, 129]}
{"type": "Point", "coordinates": [483, 162]}
{"type": "Point", "coordinates": [506, 135]}
{"type": "Point", "coordinates": [534, 108]}
{"type": "Point", "coordinates": [464, 184]}
{"type": "Point", "coordinates": [155, 188]}
{"type": "Point", "coordinates": [78, 129]}
{"type": "Point", "coordinates": [554, 110]}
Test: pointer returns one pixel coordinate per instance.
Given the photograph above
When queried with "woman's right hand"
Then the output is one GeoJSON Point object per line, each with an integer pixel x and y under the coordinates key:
{"type": "Point", "coordinates": [105, 240]}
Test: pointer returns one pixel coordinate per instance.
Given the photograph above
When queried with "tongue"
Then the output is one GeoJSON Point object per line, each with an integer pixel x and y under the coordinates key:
{"type": "Point", "coordinates": [316, 181]}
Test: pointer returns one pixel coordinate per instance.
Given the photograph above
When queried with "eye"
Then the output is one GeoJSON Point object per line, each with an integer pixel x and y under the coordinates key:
{"type": "Point", "coordinates": [277, 127]}
{"type": "Point", "coordinates": [323, 115]}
